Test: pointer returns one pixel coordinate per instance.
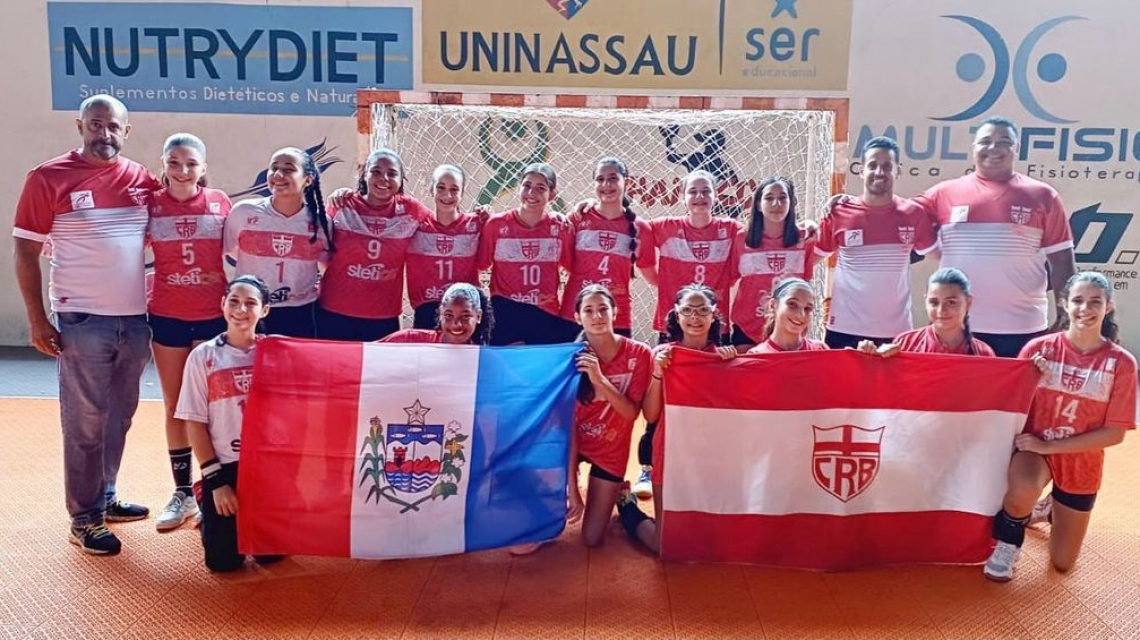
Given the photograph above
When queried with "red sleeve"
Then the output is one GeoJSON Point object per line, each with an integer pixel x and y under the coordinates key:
{"type": "Point", "coordinates": [34, 211]}
{"type": "Point", "coordinates": [646, 255]}
{"type": "Point", "coordinates": [1122, 400]}
{"type": "Point", "coordinates": [810, 257]}
{"type": "Point", "coordinates": [419, 211]}
{"type": "Point", "coordinates": [928, 201]}
{"type": "Point", "coordinates": [639, 381]}
{"type": "Point", "coordinates": [1058, 236]}
{"type": "Point", "coordinates": [487, 244]}
{"type": "Point", "coordinates": [566, 235]}
{"type": "Point", "coordinates": [925, 234]}
{"type": "Point", "coordinates": [825, 245]}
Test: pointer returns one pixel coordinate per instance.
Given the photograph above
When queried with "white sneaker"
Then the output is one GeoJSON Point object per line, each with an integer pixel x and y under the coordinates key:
{"type": "Point", "coordinates": [643, 488]}
{"type": "Point", "coordinates": [999, 567]}
{"type": "Point", "coordinates": [1042, 513]}
{"type": "Point", "coordinates": [180, 509]}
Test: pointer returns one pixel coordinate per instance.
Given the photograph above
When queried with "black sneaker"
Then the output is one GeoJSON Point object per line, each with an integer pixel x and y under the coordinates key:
{"type": "Point", "coordinates": [95, 539]}
{"type": "Point", "coordinates": [119, 511]}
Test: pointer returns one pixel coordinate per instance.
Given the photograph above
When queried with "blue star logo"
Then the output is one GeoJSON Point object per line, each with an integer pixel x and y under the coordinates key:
{"type": "Point", "coordinates": [788, 6]}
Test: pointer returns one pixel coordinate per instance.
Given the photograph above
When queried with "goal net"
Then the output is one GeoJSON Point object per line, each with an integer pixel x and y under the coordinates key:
{"type": "Point", "coordinates": [492, 144]}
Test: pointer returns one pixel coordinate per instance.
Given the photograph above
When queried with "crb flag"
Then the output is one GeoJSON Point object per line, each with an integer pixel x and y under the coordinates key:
{"type": "Point", "coordinates": [837, 459]}
{"type": "Point", "coordinates": [404, 450]}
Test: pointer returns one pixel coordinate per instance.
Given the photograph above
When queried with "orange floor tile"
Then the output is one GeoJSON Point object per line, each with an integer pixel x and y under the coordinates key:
{"type": "Point", "coordinates": [157, 587]}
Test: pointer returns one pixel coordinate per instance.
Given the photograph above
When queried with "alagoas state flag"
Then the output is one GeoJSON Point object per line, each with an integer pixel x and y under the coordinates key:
{"type": "Point", "coordinates": [835, 459]}
{"type": "Point", "coordinates": [404, 450]}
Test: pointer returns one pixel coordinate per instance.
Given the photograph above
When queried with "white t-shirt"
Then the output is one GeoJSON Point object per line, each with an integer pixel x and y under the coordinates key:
{"type": "Point", "coordinates": [215, 385]}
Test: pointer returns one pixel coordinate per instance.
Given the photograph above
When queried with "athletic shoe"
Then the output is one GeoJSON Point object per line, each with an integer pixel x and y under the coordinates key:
{"type": "Point", "coordinates": [95, 539]}
{"type": "Point", "coordinates": [626, 496]}
{"type": "Point", "coordinates": [1042, 513]}
{"type": "Point", "coordinates": [643, 488]}
{"type": "Point", "coordinates": [119, 511]}
{"type": "Point", "coordinates": [999, 567]}
{"type": "Point", "coordinates": [180, 509]}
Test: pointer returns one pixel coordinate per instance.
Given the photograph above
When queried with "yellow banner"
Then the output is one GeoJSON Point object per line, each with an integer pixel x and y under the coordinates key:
{"type": "Point", "coordinates": [746, 45]}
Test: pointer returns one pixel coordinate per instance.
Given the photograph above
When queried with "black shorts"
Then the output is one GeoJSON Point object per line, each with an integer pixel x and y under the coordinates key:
{"type": "Point", "coordinates": [526, 323]}
{"type": "Point", "coordinates": [1075, 501]}
{"type": "Point", "coordinates": [295, 322]}
{"type": "Point", "coordinates": [598, 472]}
{"type": "Point", "coordinates": [840, 340]}
{"type": "Point", "coordinates": [337, 326]}
{"type": "Point", "coordinates": [182, 334]}
{"type": "Point", "coordinates": [1007, 345]}
{"type": "Point", "coordinates": [426, 316]}
{"type": "Point", "coordinates": [739, 338]}
{"type": "Point", "coordinates": [624, 332]}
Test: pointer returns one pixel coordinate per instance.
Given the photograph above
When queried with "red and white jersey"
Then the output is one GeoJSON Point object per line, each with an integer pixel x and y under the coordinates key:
{"type": "Point", "coordinates": [524, 260]}
{"type": "Point", "coordinates": [418, 336]}
{"type": "Point", "coordinates": [603, 434]}
{"type": "Point", "coordinates": [215, 385]}
{"type": "Point", "coordinates": [276, 248]}
{"type": "Point", "coordinates": [758, 269]}
{"type": "Point", "coordinates": [96, 219]}
{"type": "Point", "coordinates": [925, 340]}
{"type": "Point", "coordinates": [770, 346]}
{"type": "Point", "coordinates": [186, 238]}
{"type": "Point", "coordinates": [441, 255]}
{"type": "Point", "coordinates": [1078, 393]}
{"type": "Point", "coordinates": [686, 255]}
{"type": "Point", "coordinates": [602, 256]}
{"type": "Point", "coordinates": [365, 275]}
{"type": "Point", "coordinates": [999, 233]}
{"type": "Point", "coordinates": [870, 293]}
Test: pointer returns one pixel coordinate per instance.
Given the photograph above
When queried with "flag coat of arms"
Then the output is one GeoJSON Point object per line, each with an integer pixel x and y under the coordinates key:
{"type": "Point", "coordinates": [404, 450]}
{"type": "Point", "coordinates": [834, 460]}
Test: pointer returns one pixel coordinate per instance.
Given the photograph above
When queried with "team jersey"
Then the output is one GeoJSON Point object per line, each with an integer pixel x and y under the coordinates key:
{"type": "Point", "coordinates": [759, 269]}
{"type": "Point", "coordinates": [441, 255]}
{"type": "Point", "coordinates": [686, 255]}
{"type": "Point", "coordinates": [414, 336]}
{"type": "Point", "coordinates": [924, 340]}
{"type": "Point", "coordinates": [870, 293]}
{"type": "Point", "coordinates": [186, 238]}
{"type": "Point", "coordinates": [276, 248]}
{"type": "Point", "coordinates": [215, 385]}
{"type": "Point", "coordinates": [524, 260]}
{"type": "Point", "coordinates": [998, 234]}
{"type": "Point", "coordinates": [603, 434]}
{"type": "Point", "coordinates": [602, 256]}
{"type": "Point", "coordinates": [365, 275]}
{"type": "Point", "coordinates": [770, 346]}
{"type": "Point", "coordinates": [659, 432]}
{"type": "Point", "coordinates": [96, 218]}
{"type": "Point", "coordinates": [1078, 393]}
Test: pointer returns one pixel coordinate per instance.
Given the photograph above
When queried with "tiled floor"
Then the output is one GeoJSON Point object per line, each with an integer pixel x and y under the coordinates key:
{"type": "Point", "coordinates": [157, 587]}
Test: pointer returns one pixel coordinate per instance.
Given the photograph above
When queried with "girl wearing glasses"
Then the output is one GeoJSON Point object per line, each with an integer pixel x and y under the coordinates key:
{"type": "Point", "coordinates": [692, 323]}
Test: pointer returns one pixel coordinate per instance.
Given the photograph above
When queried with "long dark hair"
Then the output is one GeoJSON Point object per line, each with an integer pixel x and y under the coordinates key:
{"type": "Point", "coordinates": [314, 199]}
{"type": "Point", "coordinates": [373, 158]}
{"type": "Point", "coordinates": [1108, 328]}
{"type": "Point", "coordinates": [955, 277]}
{"type": "Point", "coordinates": [627, 212]}
{"type": "Point", "coordinates": [673, 330]}
{"type": "Point", "coordinates": [755, 234]}
{"type": "Point", "coordinates": [782, 290]}
{"type": "Point", "coordinates": [585, 387]}
{"type": "Point", "coordinates": [478, 299]}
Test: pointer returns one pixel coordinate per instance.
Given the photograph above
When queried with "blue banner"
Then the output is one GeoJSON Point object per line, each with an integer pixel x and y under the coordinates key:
{"type": "Point", "coordinates": [223, 58]}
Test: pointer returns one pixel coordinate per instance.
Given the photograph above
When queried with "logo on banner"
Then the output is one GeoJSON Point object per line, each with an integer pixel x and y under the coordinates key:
{"type": "Point", "coordinates": [411, 462]}
{"type": "Point", "coordinates": [701, 251]}
{"type": "Point", "coordinates": [444, 244]}
{"type": "Point", "coordinates": [845, 459]}
{"type": "Point", "coordinates": [282, 244]}
{"type": "Point", "coordinates": [567, 8]}
{"type": "Point", "coordinates": [530, 249]}
{"type": "Point", "coordinates": [1020, 215]}
{"type": "Point", "coordinates": [971, 67]}
{"type": "Point", "coordinates": [906, 235]}
{"type": "Point", "coordinates": [777, 262]}
{"type": "Point", "coordinates": [607, 240]}
{"type": "Point", "coordinates": [186, 227]}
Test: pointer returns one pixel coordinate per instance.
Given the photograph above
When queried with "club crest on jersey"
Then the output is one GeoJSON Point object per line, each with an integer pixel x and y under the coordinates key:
{"type": "Point", "coordinates": [1020, 215]}
{"type": "Point", "coordinates": [906, 235]}
{"type": "Point", "coordinates": [375, 227]}
{"type": "Point", "coordinates": [530, 249]}
{"type": "Point", "coordinates": [282, 244]}
{"type": "Point", "coordinates": [845, 459]}
{"type": "Point", "coordinates": [777, 262]}
{"type": "Point", "coordinates": [607, 240]}
{"type": "Point", "coordinates": [411, 462]}
{"type": "Point", "coordinates": [242, 379]}
{"type": "Point", "coordinates": [701, 250]}
{"type": "Point", "coordinates": [1073, 380]}
{"type": "Point", "coordinates": [444, 244]}
{"type": "Point", "coordinates": [186, 227]}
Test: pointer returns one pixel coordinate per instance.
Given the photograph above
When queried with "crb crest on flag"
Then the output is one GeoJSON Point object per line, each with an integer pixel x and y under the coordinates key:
{"type": "Point", "coordinates": [404, 450]}
{"type": "Point", "coordinates": [845, 459]}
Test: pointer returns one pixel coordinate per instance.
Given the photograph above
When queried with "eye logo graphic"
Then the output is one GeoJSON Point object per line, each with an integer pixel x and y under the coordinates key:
{"type": "Point", "coordinates": [1050, 68]}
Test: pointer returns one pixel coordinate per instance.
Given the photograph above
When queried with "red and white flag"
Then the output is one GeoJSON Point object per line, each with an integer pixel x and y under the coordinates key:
{"type": "Point", "coordinates": [835, 459]}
